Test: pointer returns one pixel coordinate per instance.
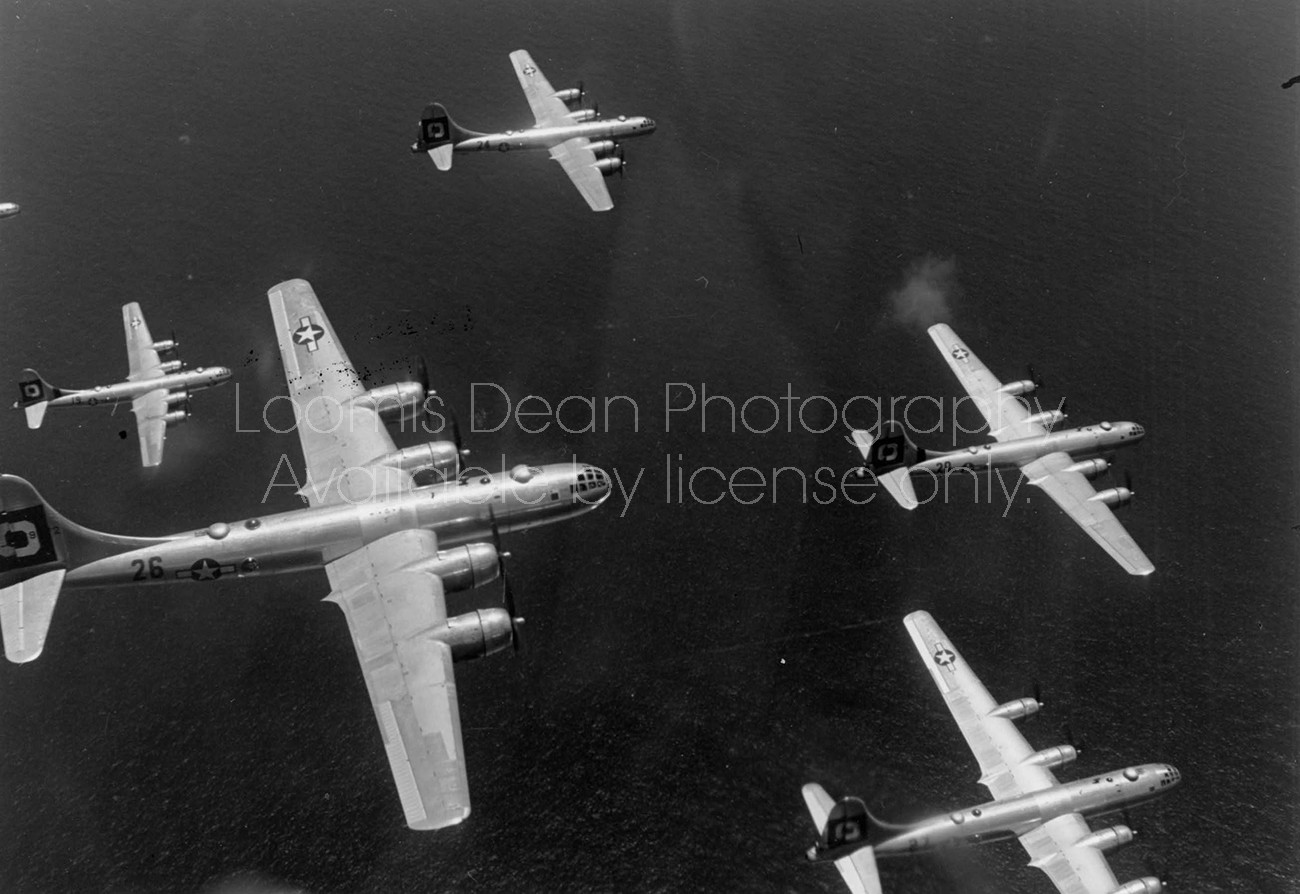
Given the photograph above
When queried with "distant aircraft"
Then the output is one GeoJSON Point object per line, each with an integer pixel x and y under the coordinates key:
{"type": "Point", "coordinates": [1292, 82]}
{"type": "Point", "coordinates": [1029, 803]}
{"type": "Point", "coordinates": [584, 144]}
{"type": "Point", "coordinates": [9, 209]}
{"type": "Point", "coordinates": [159, 390]}
{"type": "Point", "coordinates": [1025, 441]}
{"type": "Point", "coordinates": [392, 551]}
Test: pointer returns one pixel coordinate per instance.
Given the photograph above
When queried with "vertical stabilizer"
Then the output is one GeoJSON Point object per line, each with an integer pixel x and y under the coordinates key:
{"type": "Point", "coordinates": [844, 829]}
{"type": "Point", "coordinates": [888, 455]}
{"type": "Point", "coordinates": [439, 135]}
{"type": "Point", "coordinates": [37, 548]}
{"type": "Point", "coordinates": [34, 396]}
{"type": "Point", "coordinates": [33, 561]}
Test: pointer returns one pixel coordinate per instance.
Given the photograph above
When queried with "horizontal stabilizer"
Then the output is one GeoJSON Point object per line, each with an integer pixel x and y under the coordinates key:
{"type": "Point", "coordinates": [25, 612]}
{"type": "Point", "coordinates": [442, 156]}
{"type": "Point", "coordinates": [899, 485]}
{"type": "Point", "coordinates": [36, 413]}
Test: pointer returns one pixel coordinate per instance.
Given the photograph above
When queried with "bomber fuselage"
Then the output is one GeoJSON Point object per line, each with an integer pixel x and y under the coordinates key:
{"type": "Point", "coordinates": [458, 512]}
{"type": "Point", "coordinates": [998, 820]}
{"type": "Point", "coordinates": [546, 137]}
{"type": "Point", "coordinates": [1089, 440]}
{"type": "Point", "coordinates": [183, 380]}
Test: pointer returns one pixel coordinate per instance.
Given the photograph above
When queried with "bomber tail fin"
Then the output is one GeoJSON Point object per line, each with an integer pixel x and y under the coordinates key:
{"type": "Point", "coordinates": [33, 561]}
{"type": "Point", "coordinates": [38, 547]}
{"type": "Point", "coordinates": [845, 829]}
{"type": "Point", "coordinates": [439, 135]}
{"type": "Point", "coordinates": [889, 454]}
{"type": "Point", "coordinates": [34, 396]}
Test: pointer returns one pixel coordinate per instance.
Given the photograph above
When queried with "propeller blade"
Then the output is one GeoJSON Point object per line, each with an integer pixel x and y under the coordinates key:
{"type": "Point", "coordinates": [422, 372]}
{"type": "Point", "coordinates": [1033, 376]}
{"type": "Point", "coordinates": [507, 591]}
{"type": "Point", "coordinates": [1068, 733]}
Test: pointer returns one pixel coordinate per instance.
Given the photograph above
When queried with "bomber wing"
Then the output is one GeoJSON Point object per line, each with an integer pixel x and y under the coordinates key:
{"type": "Point", "coordinates": [1006, 414]}
{"type": "Point", "coordinates": [390, 610]}
{"type": "Point", "coordinates": [150, 410]}
{"type": "Point", "coordinates": [859, 868]}
{"type": "Point", "coordinates": [140, 354]}
{"type": "Point", "coordinates": [579, 162]}
{"type": "Point", "coordinates": [574, 155]}
{"type": "Point", "coordinates": [1074, 493]}
{"type": "Point", "coordinates": [548, 109]}
{"type": "Point", "coordinates": [338, 438]}
{"type": "Point", "coordinates": [1054, 848]}
{"type": "Point", "coordinates": [996, 743]}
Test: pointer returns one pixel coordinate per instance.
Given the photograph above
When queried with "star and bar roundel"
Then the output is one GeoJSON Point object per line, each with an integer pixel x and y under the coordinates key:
{"type": "Point", "coordinates": [206, 569]}
{"type": "Point", "coordinates": [944, 657]}
{"type": "Point", "coordinates": [309, 334]}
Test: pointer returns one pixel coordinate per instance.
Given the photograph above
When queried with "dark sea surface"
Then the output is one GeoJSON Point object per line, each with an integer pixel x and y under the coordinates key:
{"type": "Point", "coordinates": [1108, 191]}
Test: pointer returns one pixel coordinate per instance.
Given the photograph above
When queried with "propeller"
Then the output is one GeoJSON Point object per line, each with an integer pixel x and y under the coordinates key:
{"type": "Point", "coordinates": [1033, 376]}
{"type": "Point", "coordinates": [507, 592]}
{"type": "Point", "coordinates": [1037, 689]}
{"type": "Point", "coordinates": [422, 376]}
{"type": "Point", "coordinates": [622, 160]}
{"type": "Point", "coordinates": [1067, 732]}
{"type": "Point", "coordinates": [1158, 868]}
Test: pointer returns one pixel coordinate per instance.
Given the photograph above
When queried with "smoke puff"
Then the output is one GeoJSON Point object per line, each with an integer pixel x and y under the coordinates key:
{"type": "Point", "coordinates": [928, 292]}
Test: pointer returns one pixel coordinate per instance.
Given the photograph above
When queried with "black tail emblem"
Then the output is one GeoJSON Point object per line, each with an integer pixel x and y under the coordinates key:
{"type": "Point", "coordinates": [31, 390]}
{"type": "Point", "coordinates": [25, 539]}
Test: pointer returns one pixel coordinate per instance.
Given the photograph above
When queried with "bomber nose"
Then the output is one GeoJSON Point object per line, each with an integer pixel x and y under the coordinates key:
{"type": "Point", "coordinates": [593, 486]}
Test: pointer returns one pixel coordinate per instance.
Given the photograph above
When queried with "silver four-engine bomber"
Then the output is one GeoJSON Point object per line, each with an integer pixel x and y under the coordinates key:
{"type": "Point", "coordinates": [585, 144]}
{"type": "Point", "coordinates": [392, 549]}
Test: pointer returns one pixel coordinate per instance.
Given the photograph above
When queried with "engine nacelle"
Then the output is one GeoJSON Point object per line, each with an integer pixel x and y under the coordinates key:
{"type": "Point", "coordinates": [1107, 839]}
{"type": "Point", "coordinates": [1090, 468]}
{"type": "Point", "coordinates": [440, 457]}
{"type": "Point", "coordinates": [170, 366]}
{"type": "Point", "coordinates": [176, 399]}
{"type": "Point", "coordinates": [569, 95]}
{"type": "Point", "coordinates": [580, 115]}
{"type": "Point", "coordinates": [1148, 885]}
{"type": "Point", "coordinates": [1024, 386]}
{"type": "Point", "coordinates": [476, 634]}
{"type": "Point", "coordinates": [166, 346]}
{"type": "Point", "coordinates": [602, 148]}
{"type": "Point", "coordinates": [1052, 757]}
{"type": "Point", "coordinates": [399, 399]}
{"type": "Point", "coordinates": [1114, 497]}
{"type": "Point", "coordinates": [1047, 418]}
{"type": "Point", "coordinates": [608, 166]}
{"type": "Point", "coordinates": [176, 417]}
{"type": "Point", "coordinates": [1021, 707]}
{"type": "Point", "coordinates": [464, 567]}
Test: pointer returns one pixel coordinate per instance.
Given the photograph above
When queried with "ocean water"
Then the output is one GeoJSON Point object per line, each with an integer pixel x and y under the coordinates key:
{"type": "Point", "coordinates": [1105, 191]}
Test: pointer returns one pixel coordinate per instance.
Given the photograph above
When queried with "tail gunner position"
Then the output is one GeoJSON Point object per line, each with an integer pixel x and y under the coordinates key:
{"type": "Point", "coordinates": [392, 551]}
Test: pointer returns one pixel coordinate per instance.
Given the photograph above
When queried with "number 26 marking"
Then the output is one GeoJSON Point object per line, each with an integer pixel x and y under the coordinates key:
{"type": "Point", "coordinates": [155, 568]}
